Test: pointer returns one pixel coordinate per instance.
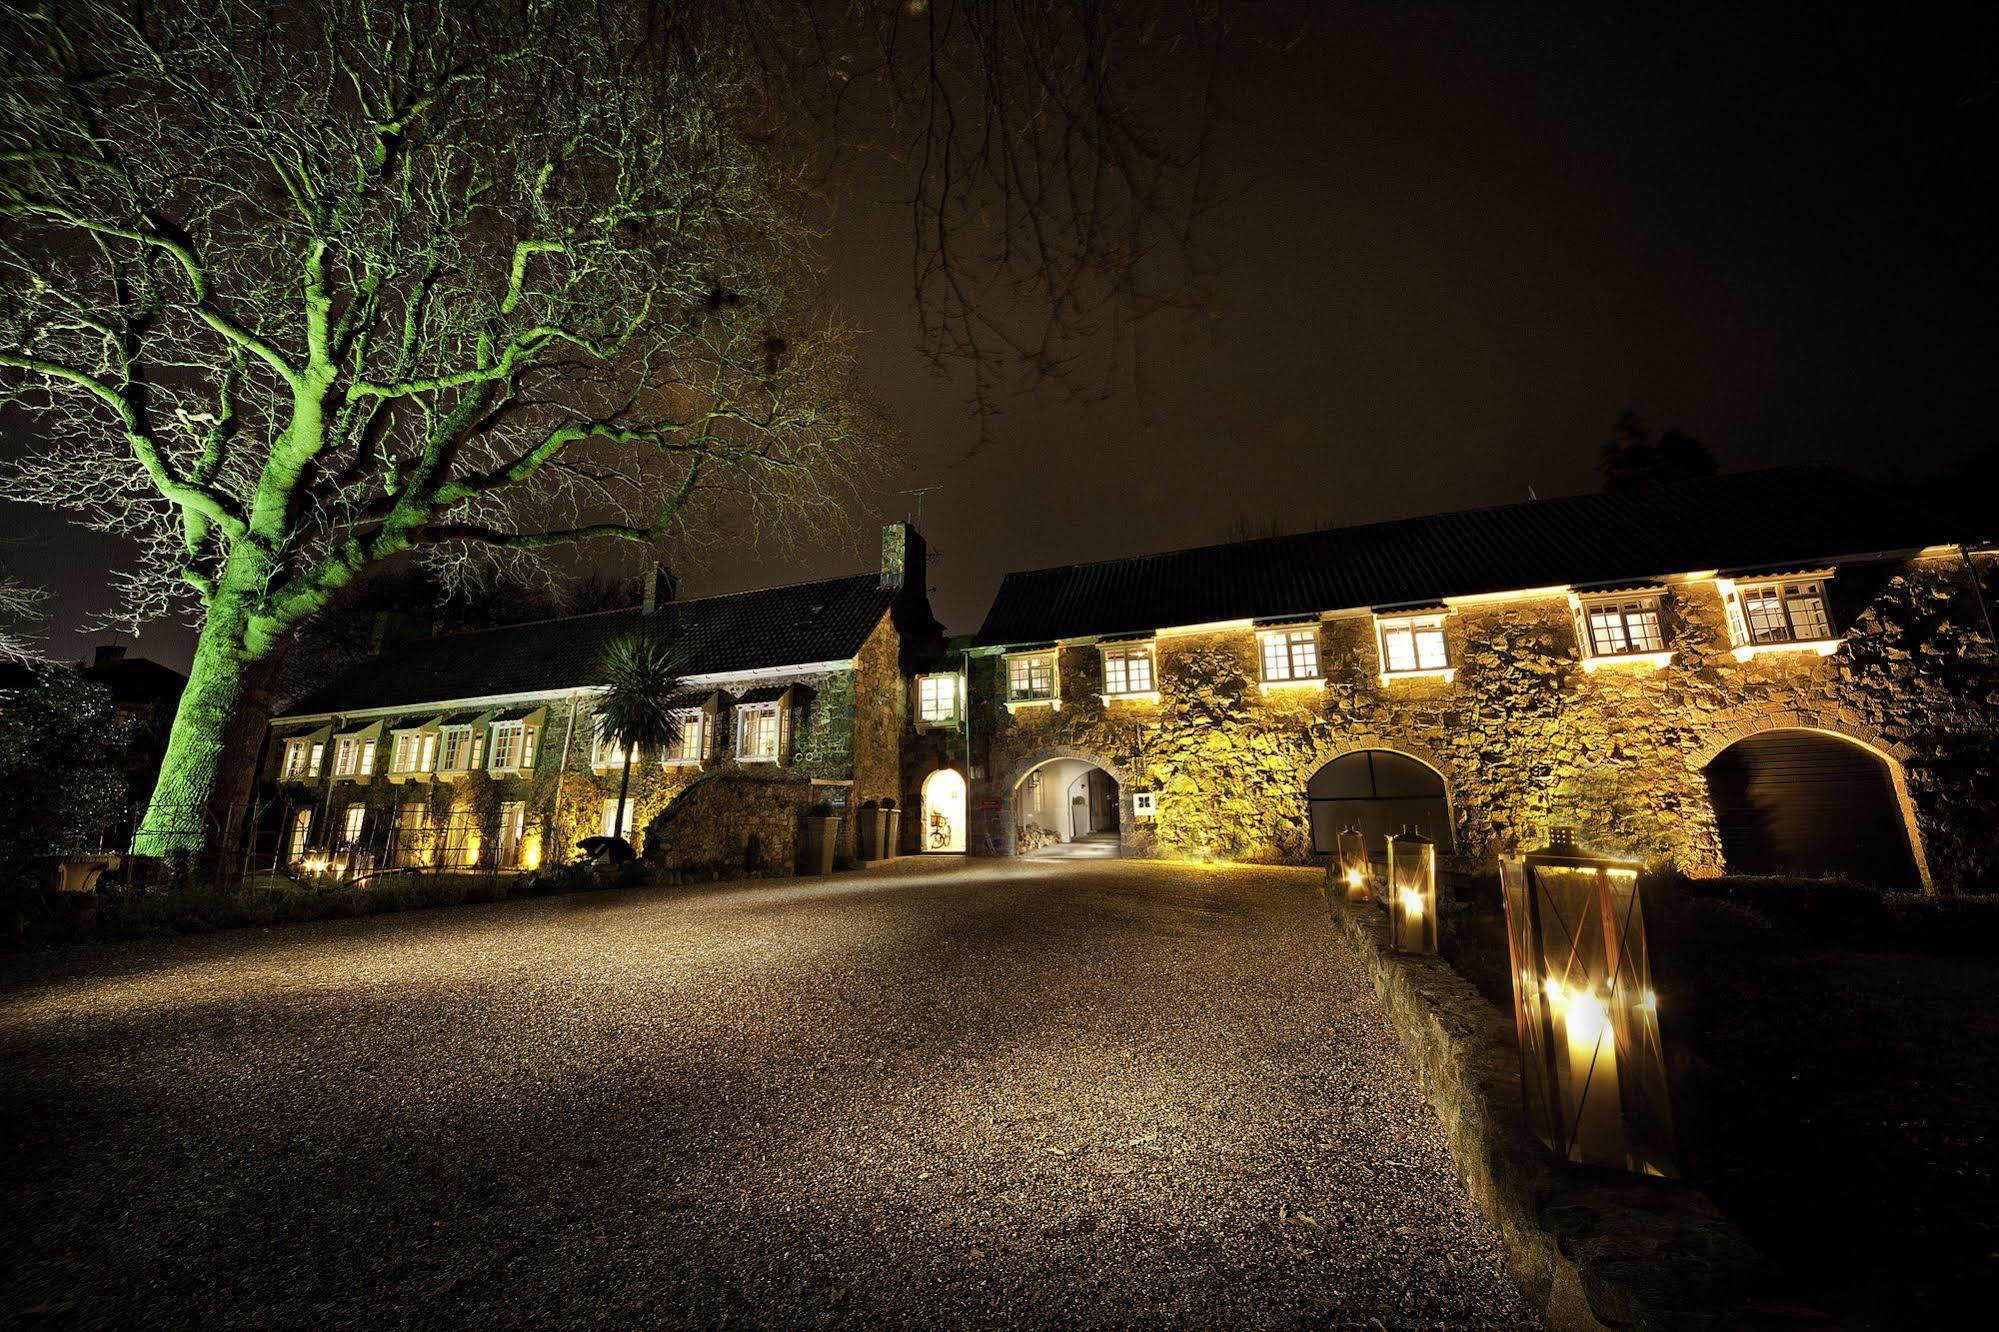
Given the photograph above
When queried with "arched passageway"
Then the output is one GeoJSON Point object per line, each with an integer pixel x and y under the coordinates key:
{"type": "Point", "coordinates": [1811, 803]}
{"type": "Point", "coordinates": [1067, 807]}
{"type": "Point", "coordinates": [943, 811]}
{"type": "Point", "coordinates": [1380, 792]}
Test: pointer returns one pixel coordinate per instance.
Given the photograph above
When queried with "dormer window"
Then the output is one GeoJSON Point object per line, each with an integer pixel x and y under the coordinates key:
{"type": "Point", "coordinates": [455, 749]}
{"type": "Point", "coordinates": [1774, 614]}
{"type": "Point", "coordinates": [1414, 645]}
{"type": "Point", "coordinates": [1290, 656]}
{"type": "Point", "coordinates": [604, 751]}
{"type": "Point", "coordinates": [354, 756]}
{"type": "Point", "coordinates": [510, 747]}
{"type": "Point", "coordinates": [1128, 672]}
{"type": "Point", "coordinates": [1620, 627]}
{"type": "Point", "coordinates": [1031, 679]}
{"type": "Point", "coordinates": [407, 753]}
{"type": "Point", "coordinates": [692, 744]}
{"type": "Point", "coordinates": [937, 699]}
{"type": "Point", "coordinates": [302, 759]}
{"type": "Point", "coordinates": [757, 733]}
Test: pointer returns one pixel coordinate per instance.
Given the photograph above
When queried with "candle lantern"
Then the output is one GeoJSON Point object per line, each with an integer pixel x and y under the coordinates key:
{"type": "Point", "coordinates": [1351, 862]}
{"type": "Point", "coordinates": [1412, 893]}
{"type": "Point", "coordinates": [1585, 1010]}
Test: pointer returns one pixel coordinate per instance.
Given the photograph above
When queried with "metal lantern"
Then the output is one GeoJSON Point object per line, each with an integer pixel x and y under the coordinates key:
{"type": "Point", "coordinates": [1412, 892]}
{"type": "Point", "coordinates": [1351, 862]}
{"type": "Point", "coordinates": [1587, 1015]}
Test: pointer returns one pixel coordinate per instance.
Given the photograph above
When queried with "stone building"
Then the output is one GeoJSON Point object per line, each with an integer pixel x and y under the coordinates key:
{"type": "Point", "coordinates": [482, 750]}
{"type": "Point", "coordinates": [1770, 672]}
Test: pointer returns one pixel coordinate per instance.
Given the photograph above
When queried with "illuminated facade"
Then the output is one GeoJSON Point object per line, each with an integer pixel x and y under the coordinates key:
{"type": "Point", "coordinates": [1771, 672]}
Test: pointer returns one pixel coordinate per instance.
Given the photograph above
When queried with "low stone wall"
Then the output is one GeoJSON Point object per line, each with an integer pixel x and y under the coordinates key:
{"type": "Point", "coordinates": [1594, 1248]}
{"type": "Point", "coordinates": [728, 818]}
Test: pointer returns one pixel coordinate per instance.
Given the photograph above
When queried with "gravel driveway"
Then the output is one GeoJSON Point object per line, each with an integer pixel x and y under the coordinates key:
{"type": "Point", "coordinates": [933, 1094]}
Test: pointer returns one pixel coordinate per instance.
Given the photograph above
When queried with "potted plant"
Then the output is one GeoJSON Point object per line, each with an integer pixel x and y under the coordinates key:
{"type": "Point", "coordinates": [868, 831]}
{"type": "Point", "coordinates": [822, 838]}
{"type": "Point", "coordinates": [892, 835]}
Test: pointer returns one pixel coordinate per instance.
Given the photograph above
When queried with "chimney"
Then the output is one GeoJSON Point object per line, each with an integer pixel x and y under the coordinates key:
{"type": "Point", "coordinates": [108, 653]}
{"type": "Point", "coordinates": [660, 587]}
{"type": "Point", "coordinates": [904, 559]}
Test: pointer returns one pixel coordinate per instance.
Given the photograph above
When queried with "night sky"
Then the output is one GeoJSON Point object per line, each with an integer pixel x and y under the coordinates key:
{"type": "Point", "coordinates": [1457, 243]}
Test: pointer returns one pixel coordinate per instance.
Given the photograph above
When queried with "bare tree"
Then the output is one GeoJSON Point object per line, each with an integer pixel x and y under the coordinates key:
{"type": "Point", "coordinates": [21, 611]}
{"type": "Point", "coordinates": [291, 287]}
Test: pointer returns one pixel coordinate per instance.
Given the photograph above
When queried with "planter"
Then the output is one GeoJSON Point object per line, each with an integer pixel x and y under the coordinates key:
{"type": "Point", "coordinates": [822, 842]}
{"type": "Point", "coordinates": [892, 839]}
{"type": "Point", "coordinates": [870, 826]}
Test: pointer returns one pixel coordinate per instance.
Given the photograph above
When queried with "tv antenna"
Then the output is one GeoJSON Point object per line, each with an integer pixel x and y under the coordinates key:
{"type": "Point", "coordinates": [920, 492]}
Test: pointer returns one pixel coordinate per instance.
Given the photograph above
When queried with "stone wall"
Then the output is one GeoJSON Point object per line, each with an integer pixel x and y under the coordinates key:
{"type": "Point", "coordinates": [733, 819]}
{"type": "Point", "coordinates": [1525, 737]}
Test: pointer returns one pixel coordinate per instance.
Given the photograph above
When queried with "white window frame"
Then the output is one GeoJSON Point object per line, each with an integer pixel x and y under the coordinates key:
{"type": "Point", "coordinates": [446, 735]}
{"type": "Point", "coordinates": [607, 811]}
{"type": "Point", "coordinates": [748, 715]}
{"type": "Point", "coordinates": [401, 764]}
{"type": "Point", "coordinates": [605, 752]}
{"type": "Point", "coordinates": [1287, 640]}
{"type": "Point", "coordinates": [693, 737]}
{"type": "Point", "coordinates": [346, 755]}
{"type": "Point", "coordinates": [297, 757]}
{"type": "Point", "coordinates": [1419, 628]}
{"type": "Point", "coordinates": [318, 761]}
{"type": "Point", "coordinates": [1125, 656]}
{"type": "Point", "coordinates": [1031, 698]}
{"type": "Point", "coordinates": [1794, 629]}
{"type": "Point", "coordinates": [928, 687]}
{"type": "Point", "coordinates": [353, 822]}
{"type": "Point", "coordinates": [1619, 610]}
{"type": "Point", "coordinates": [514, 731]}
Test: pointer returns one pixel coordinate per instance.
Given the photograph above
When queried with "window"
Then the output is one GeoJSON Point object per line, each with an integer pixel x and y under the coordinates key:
{"type": "Point", "coordinates": [604, 751]}
{"type": "Point", "coordinates": [298, 754]}
{"type": "Point", "coordinates": [1128, 670]}
{"type": "Point", "coordinates": [613, 821]}
{"type": "Point", "coordinates": [1290, 654]}
{"type": "Point", "coordinates": [692, 746]}
{"type": "Point", "coordinates": [508, 747]}
{"type": "Point", "coordinates": [350, 827]}
{"type": "Point", "coordinates": [1414, 645]}
{"type": "Point", "coordinates": [1778, 613]}
{"type": "Point", "coordinates": [367, 757]}
{"type": "Point", "coordinates": [346, 756]}
{"type": "Point", "coordinates": [1620, 627]}
{"type": "Point", "coordinates": [457, 747]}
{"type": "Point", "coordinates": [513, 821]}
{"type": "Point", "coordinates": [318, 757]}
{"type": "Point", "coordinates": [427, 755]}
{"type": "Point", "coordinates": [937, 699]}
{"type": "Point", "coordinates": [756, 733]}
{"type": "Point", "coordinates": [1030, 678]}
{"type": "Point", "coordinates": [404, 757]}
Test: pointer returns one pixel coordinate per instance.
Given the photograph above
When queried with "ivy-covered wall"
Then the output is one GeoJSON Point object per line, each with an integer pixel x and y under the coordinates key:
{"type": "Point", "coordinates": [1525, 737]}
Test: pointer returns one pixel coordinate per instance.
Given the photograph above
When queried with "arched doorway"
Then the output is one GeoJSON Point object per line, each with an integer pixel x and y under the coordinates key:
{"type": "Point", "coordinates": [1380, 792]}
{"type": "Point", "coordinates": [1810, 803]}
{"type": "Point", "coordinates": [943, 811]}
{"type": "Point", "coordinates": [1067, 807]}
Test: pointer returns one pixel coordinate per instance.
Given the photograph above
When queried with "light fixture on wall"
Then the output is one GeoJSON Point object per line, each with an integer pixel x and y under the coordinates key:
{"type": "Point", "coordinates": [1412, 892]}
{"type": "Point", "coordinates": [1585, 1009]}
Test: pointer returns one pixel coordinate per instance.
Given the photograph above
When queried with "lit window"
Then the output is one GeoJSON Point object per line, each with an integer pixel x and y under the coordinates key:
{"type": "Point", "coordinates": [1030, 678]}
{"type": "Point", "coordinates": [297, 754]}
{"type": "Point", "coordinates": [1128, 670]}
{"type": "Point", "coordinates": [404, 757]}
{"type": "Point", "coordinates": [508, 745]}
{"type": "Point", "coordinates": [692, 744]}
{"type": "Point", "coordinates": [618, 818]}
{"type": "Point", "coordinates": [350, 829]}
{"type": "Point", "coordinates": [1777, 612]}
{"type": "Point", "coordinates": [318, 757]}
{"type": "Point", "coordinates": [606, 752]}
{"type": "Point", "coordinates": [346, 756]}
{"type": "Point", "coordinates": [427, 755]}
{"type": "Point", "coordinates": [1623, 628]}
{"type": "Point", "coordinates": [937, 698]}
{"type": "Point", "coordinates": [1414, 645]}
{"type": "Point", "coordinates": [1290, 654]}
{"type": "Point", "coordinates": [756, 733]}
{"type": "Point", "coordinates": [457, 747]}
{"type": "Point", "coordinates": [367, 758]}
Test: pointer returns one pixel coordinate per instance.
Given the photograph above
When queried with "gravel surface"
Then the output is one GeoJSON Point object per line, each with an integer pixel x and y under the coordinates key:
{"type": "Point", "coordinates": [933, 1094]}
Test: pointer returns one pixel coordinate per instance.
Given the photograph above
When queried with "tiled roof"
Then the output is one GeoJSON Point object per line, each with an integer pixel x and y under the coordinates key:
{"type": "Point", "coordinates": [1752, 520]}
{"type": "Point", "coordinates": [768, 629]}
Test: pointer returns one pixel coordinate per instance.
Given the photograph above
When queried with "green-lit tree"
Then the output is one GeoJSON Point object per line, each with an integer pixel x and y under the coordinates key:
{"type": "Point", "coordinates": [635, 711]}
{"type": "Point", "coordinates": [292, 287]}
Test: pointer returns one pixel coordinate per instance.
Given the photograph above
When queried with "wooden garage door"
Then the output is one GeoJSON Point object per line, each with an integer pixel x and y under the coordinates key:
{"type": "Point", "coordinates": [1798, 802]}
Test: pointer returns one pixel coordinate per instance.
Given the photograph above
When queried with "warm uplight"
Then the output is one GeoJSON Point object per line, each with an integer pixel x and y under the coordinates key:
{"type": "Point", "coordinates": [1356, 879]}
{"type": "Point", "coordinates": [1412, 903]}
{"type": "Point", "coordinates": [1642, 660]}
{"type": "Point", "coordinates": [1825, 647]}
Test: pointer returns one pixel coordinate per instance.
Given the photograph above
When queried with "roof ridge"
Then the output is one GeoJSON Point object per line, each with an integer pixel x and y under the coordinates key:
{"type": "Point", "coordinates": [1690, 483]}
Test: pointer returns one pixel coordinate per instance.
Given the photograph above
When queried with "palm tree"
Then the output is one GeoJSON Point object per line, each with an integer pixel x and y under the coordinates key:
{"type": "Point", "coordinates": [635, 711]}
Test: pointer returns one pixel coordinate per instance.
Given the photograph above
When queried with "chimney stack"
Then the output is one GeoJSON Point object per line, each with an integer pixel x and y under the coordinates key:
{"type": "Point", "coordinates": [660, 587]}
{"type": "Point", "coordinates": [108, 653]}
{"type": "Point", "coordinates": [904, 559]}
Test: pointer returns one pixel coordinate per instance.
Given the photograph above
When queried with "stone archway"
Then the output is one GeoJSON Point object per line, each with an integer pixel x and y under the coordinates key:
{"type": "Point", "coordinates": [1892, 756]}
{"type": "Point", "coordinates": [1364, 742]}
{"type": "Point", "coordinates": [1002, 836]}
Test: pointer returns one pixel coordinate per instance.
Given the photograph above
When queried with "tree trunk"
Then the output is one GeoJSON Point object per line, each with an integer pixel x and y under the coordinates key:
{"type": "Point", "coordinates": [624, 785]}
{"type": "Point", "coordinates": [180, 819]}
